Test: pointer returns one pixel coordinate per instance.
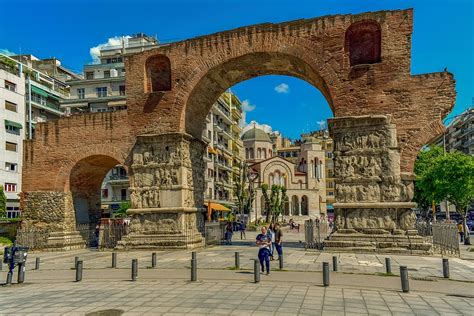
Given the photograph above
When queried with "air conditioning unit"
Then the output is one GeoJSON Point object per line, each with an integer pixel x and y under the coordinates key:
{"type": "Point", "coordinates": [113, 73]}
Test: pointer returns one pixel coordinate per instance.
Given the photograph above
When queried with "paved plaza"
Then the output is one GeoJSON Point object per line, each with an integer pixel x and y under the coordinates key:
{"type": "Point", "coordinates": [359, 287]}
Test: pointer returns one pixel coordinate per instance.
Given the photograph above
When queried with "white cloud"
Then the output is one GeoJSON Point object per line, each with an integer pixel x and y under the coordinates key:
{"type": "Point", "coordinates": [282, 88]}
{"type": "Point", "coordinates": [322, 124]}
{"type": "Point", "coordinates": [6, 52]}
{"type": "Point", "coordinates": [247, 107]}
{"type": "Point", "coordinates": [265, 127]}
{"type": "Point", "coordinates": [113, 41]}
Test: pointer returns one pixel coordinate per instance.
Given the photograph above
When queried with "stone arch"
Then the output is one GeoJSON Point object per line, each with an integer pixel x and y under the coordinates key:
{"type": "Point", "coordinates": [363, 42]}
{"type": "Point", "coordinates": [158, 74]}
{"type": "Point", "coordinates": [85, 185]}
{"type": "Point", "coordinates": [304, 205]}
{"type": "Point", "coordinates": [248, 65]}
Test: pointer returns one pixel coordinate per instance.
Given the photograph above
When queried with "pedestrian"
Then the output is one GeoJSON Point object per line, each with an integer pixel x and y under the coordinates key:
{"type": "Point", "coordinates": [461, 231]}
{"type": "Point", "coordinates": [271, 235]}
{"type": "Point", "coordinates": [278, 240]}
{"type": "Point", "coordinates": [243, 227]}
{"type": "Point", "coordinates": [264, 243]}
{"type": "Point", "coordinates": [228, 233]}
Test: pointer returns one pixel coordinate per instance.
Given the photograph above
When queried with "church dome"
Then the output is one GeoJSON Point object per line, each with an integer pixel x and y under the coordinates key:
{"type": "Point", "coordinates": [256, 134]}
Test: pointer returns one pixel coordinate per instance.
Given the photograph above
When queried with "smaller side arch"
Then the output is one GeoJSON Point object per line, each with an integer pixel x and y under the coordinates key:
{"type": "Point", "coordinates": [363, 42]}
{"type": "Point", "coordinates": [158, 74]}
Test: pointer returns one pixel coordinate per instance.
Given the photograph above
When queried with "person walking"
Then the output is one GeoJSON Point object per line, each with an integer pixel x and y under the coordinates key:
{"type": "Point", "coordinates": [278, 240]}
{"type": "Point", "coordinates": [243, 227]}
{"type": "Point", "coordinates": [271, 235]}
{"type": "Point", "coordinates": [264, 244]}
{"type": "Point", "coordinates": [228, 233]}
{"type": "Point", "coordinates": [461, 231]}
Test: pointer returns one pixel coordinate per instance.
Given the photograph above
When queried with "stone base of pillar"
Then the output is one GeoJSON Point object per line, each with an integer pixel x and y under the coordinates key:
{"type": "Point", "coordinates": [163, 228]}
{"type": "Point", "coordinates": [384, 227]}
{"type": "Point", "coordinates": [64, 240]}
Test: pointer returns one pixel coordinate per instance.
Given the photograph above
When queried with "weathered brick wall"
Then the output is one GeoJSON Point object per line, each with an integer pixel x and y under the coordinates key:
{"type": "Point", "coordinates": [59, 145]}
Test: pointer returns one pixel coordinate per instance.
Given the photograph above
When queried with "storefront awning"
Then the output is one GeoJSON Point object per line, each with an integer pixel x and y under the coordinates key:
{"type": "Point", "coordinates": [217, 207]}
{"type": "Point", "coordinates": [14, 124]}
{"type": "Point", "coordinates": [211, 150]}
{"type": "Point", "coordinates": [39, 91]}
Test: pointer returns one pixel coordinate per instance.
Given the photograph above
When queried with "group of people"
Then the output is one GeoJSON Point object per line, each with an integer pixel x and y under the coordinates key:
{"type": "Point", "coordinates": [267, 241]}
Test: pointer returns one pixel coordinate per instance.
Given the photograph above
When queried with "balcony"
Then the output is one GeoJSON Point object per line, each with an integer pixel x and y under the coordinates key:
{"type": "Point", "coordinates": [49, 107]}
{"type": "Point", "coordinates": [118, 179]}
{"type": "Point", "coordinates": [224, 166]}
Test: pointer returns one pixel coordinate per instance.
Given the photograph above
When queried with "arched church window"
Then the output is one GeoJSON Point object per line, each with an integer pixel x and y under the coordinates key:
{"type": "Point", "coordinates": [363, 43]}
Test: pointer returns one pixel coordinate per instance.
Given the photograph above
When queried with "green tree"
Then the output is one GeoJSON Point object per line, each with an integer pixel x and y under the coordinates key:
{"type": "Point", "coordinates": [451, 177]}
{"type": "Point", "coordinates": [3, 203]}
{"type": "Point", "coordinates": [245, 196]}
{"type": "Point", "coordinates": [424, 160]}
{"type": "Point", "coordinates": [122, 211]}
{"type": "Point", "coordinates": [275, 201]}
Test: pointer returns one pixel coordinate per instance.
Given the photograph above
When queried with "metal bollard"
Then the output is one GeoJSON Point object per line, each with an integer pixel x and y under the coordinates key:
{"type": "Point", "coordinates": [446, 268]}
{"type": "Point", "coordinates": [325, 274]}
{"type": "Point", "coordinates": [388, 266]}
{"type": "Point", "coordinates": [193, 255]}
{"type": "Point", "coordinates": [404, 279]}
{"type": "Point", "coordinates": [134, 269]}
{"type": "Point", "coordinates": [256, 271]}
{"type": "Point", "coordinates": [9, 278]}
{"type": "Point", "coordinates": [153, 260]}
{"type": "Point", "coordinates": [76, 259]}
{"type": "Point", "coordinates": [114, 260]}
{"type": "Point", "coordinates": [237, 260]}
{"type": "Point", "coordinates": [37, 264]}
{"type": "Point", "coordinates": [21, 272]}
{"type": "Point", "coordinates": [280, 262]}
{"type": "Point", "coordinates": [334, 263]}
{"type": "Point", "coordinates": [79, 267]}
{"type": "Point", "coordinates": [193, 270]}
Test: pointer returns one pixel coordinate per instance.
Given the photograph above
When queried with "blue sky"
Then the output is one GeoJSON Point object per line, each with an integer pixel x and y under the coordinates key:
{"type": "Point", "coordinates": [443, 37]}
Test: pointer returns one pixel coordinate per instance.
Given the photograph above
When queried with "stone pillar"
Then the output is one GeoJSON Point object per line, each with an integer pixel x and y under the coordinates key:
{"type": "Point", "coordinates": [166, 191]}
{"type": "Point", "coordinates": [51, 215]}
{"type": "Point", "coordinates": [373, 211]}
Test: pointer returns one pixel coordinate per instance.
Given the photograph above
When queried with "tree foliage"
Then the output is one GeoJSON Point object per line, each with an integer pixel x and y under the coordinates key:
{"type": "Point", "coordinates": [423, 162]}
{"type": "Point", "coordinates": [275, 201]}
{"type": "Point", "coordinates": [245, 196]}
{"type": "Point", "coordinates": [3, 203]}
{"type": "Point", "coordinates": [122, 211]}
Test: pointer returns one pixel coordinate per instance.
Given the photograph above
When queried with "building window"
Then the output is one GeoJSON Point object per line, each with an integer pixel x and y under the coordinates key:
{"type": "Point", "coordinates": [10, 166]}
{"type": "Point", "coordinates": [11, 146]}
{"type": "Point", "coordinates": [363, 42]}
{"type": "Point", "coordinates": [38, 98]}
{"type": "Point", "coordinates": [330, 193]}
{"type": "Point", "coordinates": [13, 129]}
{"type": "Point", "coordinates": [81, 93]}
{"type": "Point", "coordinates": [13, 212]}
{"type": "Point", "coordinates": [123, 194]}
{"type": "Point", "coordinates": [101, 92]}
{"type": "Point", "coordinates": [122, 90]}
{"type": "Point", "coordinates": [107, 74]}
{"type": "Point", "coordinates": [10, 106]}
{"type": "Point", "coordinates": [105, 193]}
{"type": "Point", "coordinates": [10, 187]}
{"type": "Point", "coordinates": [89, 75]}
{"type": "Point", "coordinates": [10, 86]}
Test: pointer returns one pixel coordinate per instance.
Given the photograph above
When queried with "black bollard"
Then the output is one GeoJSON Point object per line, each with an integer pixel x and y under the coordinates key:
{"type": "Point", "coordinates": [21, 272]}
{"type": "Point", "coordinates": [9, 278]}
{"type": "Point", "coordinates": [404, 279]}
{"type": "Point", "coordinates": [325, 274]}
{"type": "Point", "coordinates": [280, 261]}
{"type": "Point", "coordinates": [114, 260]}
{"type": "Point", "coordinates": [237, 260]}
{"type": "Point", "coordinates": [79, 267]}
{"type": "Point", "coordinates": [76, 259]}
{"type": "Point", "coordinates": [445, 268]}
{"type": "Point", "coordinates": [334, 263]}
{"type": "Point", "coordinates": [388, 266]}
{"type": "Point", "coordinates": [153, 260]}
{"type": "Point", "coordinates": [193, 255]}
{"type": "Point", "coordinates": [134, 269]}
{"type": "Point", "coordinates": [193, 270]}
{"type": "Point", "coordinates": [37, 264]}
{"type": "Point", "coordinates": [256, 271]}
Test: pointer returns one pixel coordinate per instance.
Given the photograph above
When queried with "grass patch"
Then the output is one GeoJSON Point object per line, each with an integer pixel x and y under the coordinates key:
{"type": "Point", "coordinates": [385, 274]}
{"type": "Point", "coordinates": [233, 268]}
{"type": "Point", "coordinates": [6, 241]}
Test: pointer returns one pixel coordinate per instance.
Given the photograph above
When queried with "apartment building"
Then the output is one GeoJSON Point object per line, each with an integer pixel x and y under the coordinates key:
{"type": "Point", "coordinates": [27, 97]}
{"type": "Point", "coordinates": [225, 151]}
{"type": "Point", "coordinates": [103, 87]}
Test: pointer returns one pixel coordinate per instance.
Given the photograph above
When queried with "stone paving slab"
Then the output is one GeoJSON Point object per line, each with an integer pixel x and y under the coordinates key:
{"type": "Point", "coordinates": [221, 297]}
